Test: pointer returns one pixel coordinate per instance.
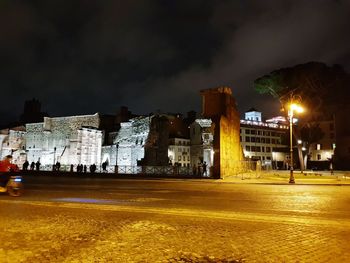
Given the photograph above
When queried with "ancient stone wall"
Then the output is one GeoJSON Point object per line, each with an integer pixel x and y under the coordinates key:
{"type": "Point", "coordinates": [56, 139]}
{"type": "Point", "coordinates": [220, 107]}
{"type": "Point", "coordinates": [130, 141]}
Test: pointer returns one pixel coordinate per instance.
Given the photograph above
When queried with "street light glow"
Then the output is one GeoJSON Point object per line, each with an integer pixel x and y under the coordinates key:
{"type": "Point", "coordinates": [297, 108]}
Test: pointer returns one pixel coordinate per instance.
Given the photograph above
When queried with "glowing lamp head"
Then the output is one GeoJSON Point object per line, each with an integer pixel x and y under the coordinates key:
{"type": "Point", "coordinates": [297, 108]}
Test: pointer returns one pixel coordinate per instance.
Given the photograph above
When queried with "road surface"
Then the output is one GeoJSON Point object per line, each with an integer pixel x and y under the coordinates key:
{"type": "Point", "coordinates": [138, 220]}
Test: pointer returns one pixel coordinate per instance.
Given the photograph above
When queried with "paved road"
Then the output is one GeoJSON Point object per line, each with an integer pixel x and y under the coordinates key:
{"type": "Point", "coordinates": [116, 220]}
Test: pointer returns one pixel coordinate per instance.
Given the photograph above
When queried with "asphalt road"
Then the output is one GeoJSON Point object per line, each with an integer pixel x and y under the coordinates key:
{"type": "Point", "coordinates": [131, 220]}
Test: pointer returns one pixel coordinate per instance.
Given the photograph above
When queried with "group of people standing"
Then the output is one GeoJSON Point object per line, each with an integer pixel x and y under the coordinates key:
{"type": "Point", "coordinates": [201, 169]}
{"type": "Point", "coordinates": [83, 168]}
{"type": "Point", "coordinates": [32, 166]}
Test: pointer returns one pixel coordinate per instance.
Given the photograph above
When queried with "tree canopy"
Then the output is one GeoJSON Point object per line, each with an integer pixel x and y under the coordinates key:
{"type": "Point", "coordinates": [318, 86]}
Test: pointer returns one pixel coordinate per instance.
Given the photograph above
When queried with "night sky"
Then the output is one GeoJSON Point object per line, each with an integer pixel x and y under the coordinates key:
{"type": "Point", "coordinates": [87, 56]}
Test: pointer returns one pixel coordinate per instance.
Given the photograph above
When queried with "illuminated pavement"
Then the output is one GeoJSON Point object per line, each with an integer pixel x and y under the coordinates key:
{"type": "Point", "coordinates": [105, 220]}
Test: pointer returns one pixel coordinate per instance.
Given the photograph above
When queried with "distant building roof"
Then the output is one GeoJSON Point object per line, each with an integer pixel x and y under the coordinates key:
{"type": "Point", "coordinates": [252, 109]}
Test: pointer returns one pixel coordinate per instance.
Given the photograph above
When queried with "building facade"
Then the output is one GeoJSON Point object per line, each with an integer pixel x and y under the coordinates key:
{"type": "Point", "coordinates": [179, 152]}
{"type": "Point", "coordinates": [68, 140]}
{"type": "Point", "coordinates": [12, 142]}
{"type": "Point", "coordinates": [263, 140]}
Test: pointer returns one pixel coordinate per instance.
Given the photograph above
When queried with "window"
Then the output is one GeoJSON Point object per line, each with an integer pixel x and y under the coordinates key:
{"type": "Point", "coordinates": [252, 139]}
{"type": "Point", "coordinates": [263, 149]}
{"type": "Point", "coordinates": [253, 132]}
{"type": "Point", "coordinates": [259, 132]}
{"type": "Point", "coordinates": [262, 140]}
{"type": "Point", "coordinates": [179, 158]}
{"type": "Point", "coordinates": [240, 138]}
{"type": "Point", "coordinates": [268, 149]}
{"type": "Point", "coordinates": [257, 149]}
{"type": "Point", "coordinates": [333, 146]}
{"type": "Point", "coordinates": [268, 158]}
{"type": "Point", "coordinates": [318, 147]}
{"type": "Point", "coordinates": [268, 140]}
{"type": "Point", "coordinates": [318, 157]}
{"type": "Point", "coordinates": [257, 139]}
{"type": "Point", "coordinates": [247, 148]}
{"type": "Point", "coordinates": [273, 141]}
{"type": "Point", "coordinates": [247, 139]}
{"type": "Point", "coordinates": [247, 131]}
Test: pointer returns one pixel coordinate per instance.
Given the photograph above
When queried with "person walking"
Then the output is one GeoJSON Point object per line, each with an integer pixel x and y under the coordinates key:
{"type": "Point", "coordinates": [205, 173]}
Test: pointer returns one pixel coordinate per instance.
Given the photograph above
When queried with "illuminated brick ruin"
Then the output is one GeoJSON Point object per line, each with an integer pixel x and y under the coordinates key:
{"type": "Point", "coordinates": [219, 106]}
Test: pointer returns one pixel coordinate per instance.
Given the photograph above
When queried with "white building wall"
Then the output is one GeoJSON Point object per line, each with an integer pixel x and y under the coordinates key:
{"type": "Point", "coordinates": [180, 152]}
{"type": "Point", "coordinates": [59, 139]}
{"type": "Point", "coordinates": [130, 141]}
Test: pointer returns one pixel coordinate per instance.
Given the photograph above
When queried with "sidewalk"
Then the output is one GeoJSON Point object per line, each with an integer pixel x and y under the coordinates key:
{"type": "Point", "coordinates": [282, 177]}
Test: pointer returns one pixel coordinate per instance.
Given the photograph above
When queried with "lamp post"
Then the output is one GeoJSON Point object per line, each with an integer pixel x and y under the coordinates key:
{"type": "Point", "coordinates": [54, 159]}
{"type": "Point", "coordinates": [116, 158]}
{"type": "Point", "coordinates": [293, 107]}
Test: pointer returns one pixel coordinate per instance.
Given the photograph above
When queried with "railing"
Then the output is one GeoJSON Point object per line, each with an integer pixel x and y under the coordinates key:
{"type": "Point", "coordinates": [155, 170]}
{"type": "Point", "coordinates": [241, 168]}
{"type": "Point", "coordinates": [123, 169]}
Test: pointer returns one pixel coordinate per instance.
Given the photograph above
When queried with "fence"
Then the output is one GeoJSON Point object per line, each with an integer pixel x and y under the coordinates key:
{"type": "Point", "coordinates": [132, 170]}
{"type": "Point", "coordinates": [244, 168]}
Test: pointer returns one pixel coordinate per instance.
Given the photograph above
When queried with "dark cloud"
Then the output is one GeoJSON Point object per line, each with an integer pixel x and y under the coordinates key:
{"type": "Point", "coordinates": [85, 56]}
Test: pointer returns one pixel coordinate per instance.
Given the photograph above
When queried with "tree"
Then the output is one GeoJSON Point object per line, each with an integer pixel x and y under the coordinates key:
{"type": "Point", "coordinates": [320, 89]}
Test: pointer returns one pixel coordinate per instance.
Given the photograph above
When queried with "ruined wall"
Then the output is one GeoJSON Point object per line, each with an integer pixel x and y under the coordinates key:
{"type": "Point", "coordinates": [156, 147]}
{"type": "Point", "coordinates": [56, 139]}
{"type": "Point", "coordinates": [220, 106]}
{"type": "Point", "coordinates": [130, 141]}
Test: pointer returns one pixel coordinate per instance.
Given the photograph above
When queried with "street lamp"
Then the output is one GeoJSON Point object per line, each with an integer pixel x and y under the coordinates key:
{"type": "Point", "coordinates": [54, 159]}
{"type": "Point", "coordinates": [292, 107]}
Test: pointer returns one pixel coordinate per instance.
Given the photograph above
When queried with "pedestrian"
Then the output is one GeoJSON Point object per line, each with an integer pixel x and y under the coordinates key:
{"type": "Point", "coordinates": [58, 165]}
{"type": "Point", "coordinates": [205, 169]}
{"type": "Point", "coordinates": [85, 168]}
{"type": "Point", "coordinates": [200, 169]}
{"type": "Point", "coordinates": [25, 165]}
{"type": "Point", "coordinates": [32, 165]}
{"type": "Point", "coordinates": [71, 168]}
{"type": "Point", "coordinates": [331, 166]}
{"type": "Point", "coordinates": [104, 166]}
{"type": "Point", "coordinates": [37, 165]}
{"type": "Point", "coordinates": [92, 168]}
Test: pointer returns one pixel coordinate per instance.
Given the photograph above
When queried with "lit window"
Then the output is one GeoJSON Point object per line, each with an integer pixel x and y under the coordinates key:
{"type": "Point", "coordinates": [318, 147]}
{"type": "Point", "coordinates": [333, 146]}
{"type": "Point", "coordinates": [247, 147]}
